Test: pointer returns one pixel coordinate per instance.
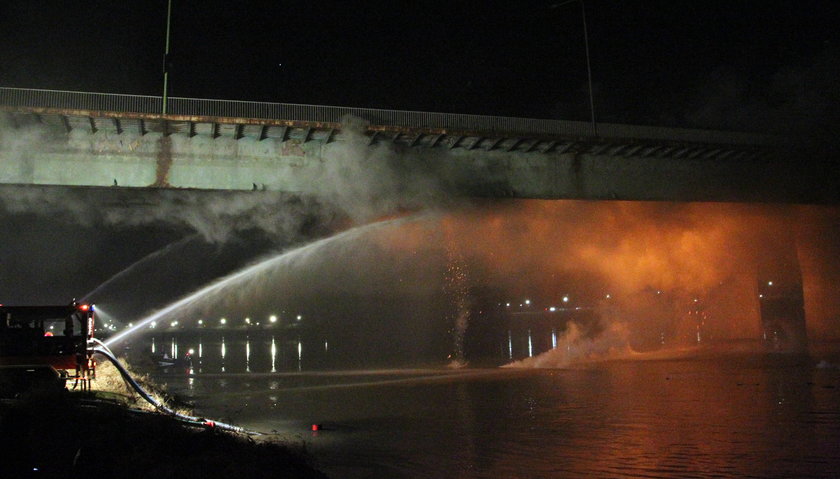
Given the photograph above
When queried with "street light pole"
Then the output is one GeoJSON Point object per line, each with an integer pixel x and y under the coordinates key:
{"type": "Point", "coordinates": [588, 64]}
{"type": "Point", "coordinates": [588, 69]}
{"type": "Point", "coordinates": [166, 57]}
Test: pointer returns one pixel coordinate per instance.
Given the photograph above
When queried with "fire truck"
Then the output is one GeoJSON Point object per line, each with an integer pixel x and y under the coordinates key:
{"type": "Point", "coordinates": [45, 347]}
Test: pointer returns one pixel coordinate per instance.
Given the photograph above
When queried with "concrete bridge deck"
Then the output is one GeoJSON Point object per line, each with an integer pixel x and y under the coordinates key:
{"type": "Point", "coordinates": [115, 113]}
{"type": "Point", "coordinates": [472, 154]}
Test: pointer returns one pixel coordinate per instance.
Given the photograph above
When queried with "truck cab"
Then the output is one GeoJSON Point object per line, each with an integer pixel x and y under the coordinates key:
{"type": "Point", "coordinates": [43, 342]}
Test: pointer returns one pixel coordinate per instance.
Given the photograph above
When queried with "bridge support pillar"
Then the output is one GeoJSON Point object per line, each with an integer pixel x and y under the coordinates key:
{"type": "Point", "coordinates": [781, 297]}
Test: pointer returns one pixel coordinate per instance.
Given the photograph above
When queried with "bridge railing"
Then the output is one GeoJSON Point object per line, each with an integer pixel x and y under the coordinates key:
{"type": "Point", "coordinates": [76, 100]}
{"type": "Point", "coordinates": [20, 97]}
{"type": "Point", "coordinates": [401, 118]}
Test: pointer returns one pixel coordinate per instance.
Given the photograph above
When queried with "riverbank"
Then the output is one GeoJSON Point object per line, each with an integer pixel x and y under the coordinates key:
{"type": "Point", "coordinates": [71, 434]}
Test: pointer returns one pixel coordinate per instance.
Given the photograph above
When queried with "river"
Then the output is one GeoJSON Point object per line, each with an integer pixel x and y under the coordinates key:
{"type": "Point", "coordinates": [730, 415]}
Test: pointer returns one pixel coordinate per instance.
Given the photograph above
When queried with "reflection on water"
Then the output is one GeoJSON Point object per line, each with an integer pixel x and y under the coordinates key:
{"type": "Point", "coordinates": [734, 416]}
{"type": "Point", "coordinates": [208, 354]}
{"type": "Point", "coordinates": [530, 345]}
{"type": "Point", "coordinates": [273, 355]}
{"type": "Point", "coordinates": [276, 352]}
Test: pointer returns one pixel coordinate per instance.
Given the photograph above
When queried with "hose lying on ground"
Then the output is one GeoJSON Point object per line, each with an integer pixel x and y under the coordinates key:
{"type": "Point", "coordinates": [103, 350]}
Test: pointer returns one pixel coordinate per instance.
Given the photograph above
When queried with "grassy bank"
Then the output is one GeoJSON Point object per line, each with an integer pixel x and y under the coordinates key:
{"type": "Point", "coordinates": [69, 434]}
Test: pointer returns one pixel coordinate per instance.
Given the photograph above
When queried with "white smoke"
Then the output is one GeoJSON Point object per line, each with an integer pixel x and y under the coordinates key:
{"type": "Point", "coordinates": [355, 182]}
{"type": "Point", "coordinates": [575, 346]}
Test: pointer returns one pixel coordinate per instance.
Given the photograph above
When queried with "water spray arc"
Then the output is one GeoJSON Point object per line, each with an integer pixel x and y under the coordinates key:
{"type": "Point", "coordinates": [283, 259]}
{"type": "Point", "coordinates": [153, 255]}
{"type": "Point", "coordinates": [457, 287]}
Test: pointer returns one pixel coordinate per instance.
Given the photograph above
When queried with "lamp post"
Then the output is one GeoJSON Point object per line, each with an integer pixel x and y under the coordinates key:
{"type": "Point", "coordinates": [166, 57]}
{"type": "Point", "coordinates": [588, 64]}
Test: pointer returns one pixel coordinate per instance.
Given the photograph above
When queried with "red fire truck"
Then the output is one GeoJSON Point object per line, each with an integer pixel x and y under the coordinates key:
{"type": "Point", "coordinates": [45, 346]}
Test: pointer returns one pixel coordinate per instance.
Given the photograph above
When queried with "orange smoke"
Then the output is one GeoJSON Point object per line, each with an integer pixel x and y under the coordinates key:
{"type": "Point", "coordinates": [661, 262]}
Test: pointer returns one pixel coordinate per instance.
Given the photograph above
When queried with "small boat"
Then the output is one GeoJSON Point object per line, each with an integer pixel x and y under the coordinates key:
{"type": "Point", "coordinates": [164, 361]}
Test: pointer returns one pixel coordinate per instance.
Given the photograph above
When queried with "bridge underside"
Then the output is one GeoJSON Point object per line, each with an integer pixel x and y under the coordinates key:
{"type": "Point", "coordinates": [48, 146]}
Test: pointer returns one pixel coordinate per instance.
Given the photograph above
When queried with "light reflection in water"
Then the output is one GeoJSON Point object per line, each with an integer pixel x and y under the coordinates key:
{"type": "Point", "coordinates": [300, 353]}
{"type": "Point", "coordinates": [153, 346]}
{"type": "Point", "coordinates": [263, 354]}
{"type": "Point", "coordinates": [530, 345]}
{"type": "Point", "coordinates": [273, 356]}
{"type": "Point", "coordinates": [224, 351]}
{"type": "Point", "coordinates": [248, 355]}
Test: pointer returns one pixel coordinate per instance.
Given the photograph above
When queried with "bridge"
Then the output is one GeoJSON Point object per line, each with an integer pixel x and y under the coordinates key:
{"type": "Point", "coordinates": [96, 139]}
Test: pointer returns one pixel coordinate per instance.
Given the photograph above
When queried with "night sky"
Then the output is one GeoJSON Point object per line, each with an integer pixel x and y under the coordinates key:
{"type": "Point", "coordinates": [725, 64]}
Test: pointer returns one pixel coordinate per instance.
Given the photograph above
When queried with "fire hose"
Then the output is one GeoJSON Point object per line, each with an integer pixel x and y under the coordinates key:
{"type": "Point", "coordinates": [104, 351]}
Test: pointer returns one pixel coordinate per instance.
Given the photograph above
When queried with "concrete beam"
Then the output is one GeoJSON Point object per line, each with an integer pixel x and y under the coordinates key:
{"type": "Point", "coordinates": [299, 166]}
{"type": "Point", "coordinates": [495, 143]}
{"type": "Point", "coordinates": [93, 148]}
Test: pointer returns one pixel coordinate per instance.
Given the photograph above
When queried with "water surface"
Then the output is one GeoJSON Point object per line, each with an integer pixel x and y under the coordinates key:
{"type": "Point", "coordinates": [734, 416]}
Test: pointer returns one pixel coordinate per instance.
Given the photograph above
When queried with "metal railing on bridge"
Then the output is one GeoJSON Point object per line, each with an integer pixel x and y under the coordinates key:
{"type": "Point", "coordinates": [75, 100]}
{"type": "Point", "coordinates": [152, 105]}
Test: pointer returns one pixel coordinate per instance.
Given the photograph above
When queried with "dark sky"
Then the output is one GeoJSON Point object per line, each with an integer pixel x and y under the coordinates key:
{"type": "Point", "coordinates": [730, 64]}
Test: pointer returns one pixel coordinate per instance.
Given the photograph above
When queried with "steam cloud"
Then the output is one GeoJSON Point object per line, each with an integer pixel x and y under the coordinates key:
{"type": "Point", "coordinates": [358, 183]}
{"type": "Point", "coordinates": [658, 262]}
